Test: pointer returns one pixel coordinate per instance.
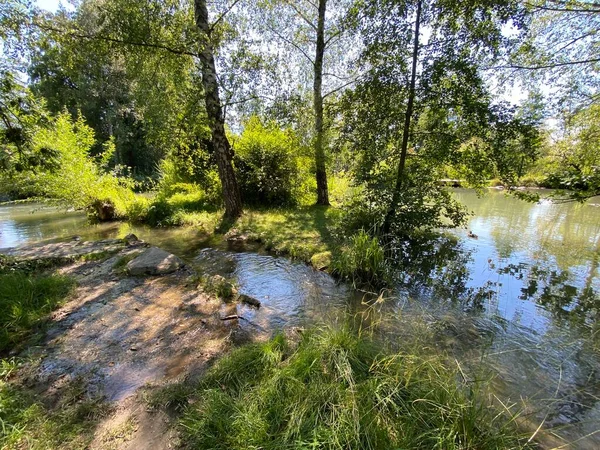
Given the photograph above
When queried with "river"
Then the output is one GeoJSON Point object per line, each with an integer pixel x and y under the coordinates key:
{"type": "Point", "coordinates": [527, 322]}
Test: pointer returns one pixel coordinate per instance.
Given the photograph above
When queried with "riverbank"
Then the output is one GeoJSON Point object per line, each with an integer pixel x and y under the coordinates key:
{"type": "Point", "coordinates": [115, 362]}
{"type": "Point", "coordinates": [82, 361]}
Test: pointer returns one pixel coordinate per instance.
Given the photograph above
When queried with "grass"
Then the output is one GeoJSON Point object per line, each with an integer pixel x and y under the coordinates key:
{"type": "Point", "coordinates": [337, 390]}
{"type": "Point", "coordinates": [300, 232]}
{"type": "Point", "coordinates": [25, 302]}
{"type": "Point", "coordinates": [25, 422]}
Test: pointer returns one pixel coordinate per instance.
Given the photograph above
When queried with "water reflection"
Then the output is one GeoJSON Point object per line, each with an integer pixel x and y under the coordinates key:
{"type": "Point", "coordinates": [540, 261]}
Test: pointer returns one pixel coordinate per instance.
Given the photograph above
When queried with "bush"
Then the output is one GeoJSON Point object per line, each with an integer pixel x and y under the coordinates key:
{"type": "Point", "coordinates": [337, 390]}
{"type": "Point", "coordinates": [268, 167]}
{"type": "Point", "coordinates": [75, 178]}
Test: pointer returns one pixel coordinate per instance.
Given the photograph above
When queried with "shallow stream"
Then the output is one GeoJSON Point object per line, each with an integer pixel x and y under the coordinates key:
{"type": "Point", "coordinates": [530, 272]}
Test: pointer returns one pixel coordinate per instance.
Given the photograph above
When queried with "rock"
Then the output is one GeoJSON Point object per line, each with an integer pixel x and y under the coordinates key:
{"type": "Point", "coordinates": [103, 210]}
{"type": "Point", "coordinates": [249, 300]}
{"type": "Point", "coordinates": [131, 239]}
{"type": "Point", "coordinates": [154, 261]}
{"type": "Point", "coordinates": [321, 261]}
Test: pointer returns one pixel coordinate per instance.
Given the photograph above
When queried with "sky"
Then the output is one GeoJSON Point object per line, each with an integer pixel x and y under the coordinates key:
{"type": "Point", "coordinates": [49, 5]}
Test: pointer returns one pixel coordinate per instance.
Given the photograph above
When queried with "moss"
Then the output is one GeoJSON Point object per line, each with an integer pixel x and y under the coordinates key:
{"type": "Point", "coordinates": [218, 285]}
{"type": "Point", "coordinates": [321, 261]}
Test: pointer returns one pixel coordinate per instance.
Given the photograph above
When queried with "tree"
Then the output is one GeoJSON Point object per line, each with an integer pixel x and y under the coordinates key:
{"type": "Point", "coordinates": [423, 106]}
{"type": "Point", "coordinates": [129, 70]}
{"type": "Point", "coordinates": [214, 110]}
{"type": "Point", "coordinates": [312, 28]}
{"type": "Point", "coordinates": [559, 49]}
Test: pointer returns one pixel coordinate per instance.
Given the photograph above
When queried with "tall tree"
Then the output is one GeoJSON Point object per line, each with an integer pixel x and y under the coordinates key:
{"type": "Point", "coordinates": [214, 110]}
{"type": "Point", "coordinates": [408, 116]}
{"type": "Point", "coordinates": [316, 34]}
{"type": "Point", "coordinates": [322, 190]}
{"type": "Point", "coordinates": [423, 108]}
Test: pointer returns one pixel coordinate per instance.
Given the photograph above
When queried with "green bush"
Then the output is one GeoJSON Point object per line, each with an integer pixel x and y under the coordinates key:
{"type": "Point", "coordinates": [75, 178]}
{"type": "Point", "coordinates": [337, 390]}
{"type": "Point", "coordinates": [269, 169]}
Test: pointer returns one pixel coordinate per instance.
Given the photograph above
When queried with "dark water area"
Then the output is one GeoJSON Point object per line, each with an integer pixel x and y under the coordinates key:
{"type": "Point", "coordinates": [517, 302]}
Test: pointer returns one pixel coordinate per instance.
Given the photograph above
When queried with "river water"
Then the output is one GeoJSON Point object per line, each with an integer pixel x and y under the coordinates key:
{"type": "Point", "coordinates": [518, 303]}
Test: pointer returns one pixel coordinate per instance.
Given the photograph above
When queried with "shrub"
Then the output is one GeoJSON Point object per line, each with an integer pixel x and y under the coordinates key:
{"type": "Point", "coordinates": [267, 165]}
{"type": "Point", "coordinates": [337, 390]}
{"type": "Point", "coordinates": [75, 178]}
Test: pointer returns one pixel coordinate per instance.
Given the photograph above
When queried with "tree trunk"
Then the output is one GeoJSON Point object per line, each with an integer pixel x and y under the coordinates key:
{"type": "Point", "coordinates": [222, 148]}
{"type": "Point", "coordinates": [405, 132]}
{"type": "Point", "coordinates": [322, 191]}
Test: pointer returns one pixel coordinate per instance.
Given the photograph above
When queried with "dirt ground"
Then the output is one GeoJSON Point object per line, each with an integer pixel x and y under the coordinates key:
{"type": "Point", "coordinates": [120, 334]}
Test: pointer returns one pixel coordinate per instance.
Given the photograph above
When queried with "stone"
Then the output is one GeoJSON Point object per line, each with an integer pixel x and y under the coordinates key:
{"type": "Point", "coordinates": [131, 239]}
{"type": "Point", "coordinates": [321, 261]}
{"type": "Point", "coordinates": [249, 300]}
{"type": "Point", "coordinates": [154, 261]}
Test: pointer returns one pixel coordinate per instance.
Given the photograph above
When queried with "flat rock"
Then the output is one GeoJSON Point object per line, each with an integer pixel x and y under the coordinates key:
{"type": "Point", "coordinates": [154, 261]}
{"type": "Point", "coordinates": [249, 300]}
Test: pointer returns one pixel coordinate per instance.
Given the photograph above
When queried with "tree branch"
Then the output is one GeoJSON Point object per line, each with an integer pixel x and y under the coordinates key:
{"type": "Point", "coordinates": [293, 44]}
{"type": "Point", "coordinates": [302, 16]}
{"type": "Point", "coordinates": [547, 66]}
{"type": "Point", "coordinates": [222, 16]}
{"type": "Point", "coordinates": [82, 35]}
{"type": "Point", "coordinates": [339, 88]}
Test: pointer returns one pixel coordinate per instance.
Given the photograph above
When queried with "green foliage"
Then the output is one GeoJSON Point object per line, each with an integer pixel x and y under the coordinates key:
{"type": "Point", "coordinates": [572, 162]}
{"type": "Point", "coordinates": [25, 300]}
{"type": "Point", "coordinates": [181, 204]}
{"type": "Point", "coordinates": [268, 167]}
{"type": "Point", "coordinates": [337, 390]}
{"type": "Point", "coordinates": [299, 232]}
{"type": "Point", "coordinates": [78, 180]}
{"type": "Point", "coordinates": [363, 261]}
{"type": "Point", "coordinates": [21, 116]}
{"type": "Point", "coordinates": [144, 96]}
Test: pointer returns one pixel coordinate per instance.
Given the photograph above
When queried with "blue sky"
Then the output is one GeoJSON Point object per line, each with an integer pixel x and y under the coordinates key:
{"type": "Point", "coordinates": [50, 5]}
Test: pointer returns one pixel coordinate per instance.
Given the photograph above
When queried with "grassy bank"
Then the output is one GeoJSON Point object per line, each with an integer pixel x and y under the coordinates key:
{"type": "Point", "coordinates": [336, 390]}
{"type": "Point", "coordinates": [25, 302]}
{"type": "Point", "coordinates": [28, 294]}
{"type": "Point", "coordinates": [26, 422]}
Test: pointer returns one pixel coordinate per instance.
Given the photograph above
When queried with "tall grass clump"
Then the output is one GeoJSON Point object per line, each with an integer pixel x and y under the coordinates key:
{"type": "Point", "coordinates": [363, 261]}
{"type": "Point", "coordinates": [338, 390]}
{"type": "Point", "coordinates": [25, 300]}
